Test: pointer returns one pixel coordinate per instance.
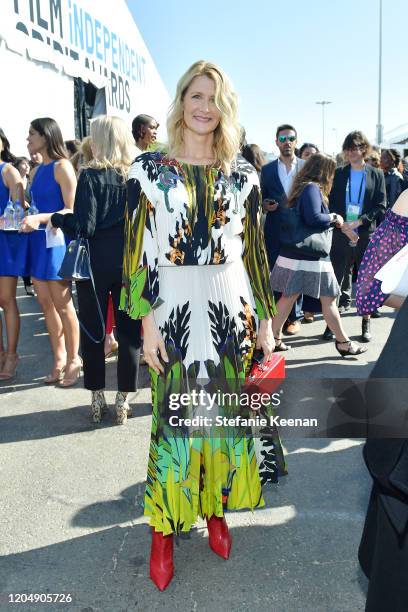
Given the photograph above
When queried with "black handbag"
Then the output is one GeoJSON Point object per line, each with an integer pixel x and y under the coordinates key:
{"type": "Point", "coordinates": [301, 238]}
{"type": "Point", "coordinates": [76, 266]}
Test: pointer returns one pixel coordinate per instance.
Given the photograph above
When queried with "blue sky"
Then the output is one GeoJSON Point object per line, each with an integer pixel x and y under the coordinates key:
{"type": "Point", "coordinates": [283, 56]}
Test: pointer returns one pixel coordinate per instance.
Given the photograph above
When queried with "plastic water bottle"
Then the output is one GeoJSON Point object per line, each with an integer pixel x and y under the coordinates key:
{"type": "Point", "coordinates": [9, 216]}
{"type": "Point", "coordinates": [18, 213]}
{"type": "Point", "coordinates": [33, 210]}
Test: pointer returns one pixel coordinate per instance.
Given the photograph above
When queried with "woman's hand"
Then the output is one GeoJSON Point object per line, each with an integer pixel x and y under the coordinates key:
{"type": "Point", "coordinates": [349, 232]}
{"type": "Point", "coordinates": [265, 339]}
{"type": "Point", "coordinates": [30, 223]}
{"type": "Point", "coordinates": [153, 344]}
{"type": "Point", "coordinates": [339, 222]}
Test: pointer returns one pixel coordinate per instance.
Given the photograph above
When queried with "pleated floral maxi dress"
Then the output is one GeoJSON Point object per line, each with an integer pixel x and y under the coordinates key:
{"type": "Point", "coordinates": [195, 254]}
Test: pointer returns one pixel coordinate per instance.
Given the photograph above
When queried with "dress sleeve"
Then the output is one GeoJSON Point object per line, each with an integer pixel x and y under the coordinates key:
{"type": "Point", "coordinates": [254, 252]}
{"type": "Point", "coordinates": [140, 290]}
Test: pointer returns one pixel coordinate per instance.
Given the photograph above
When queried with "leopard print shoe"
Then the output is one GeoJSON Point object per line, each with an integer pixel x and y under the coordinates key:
{"type": "Point", "coordinates": [98, 406]}
{"type": "Point", "coordinates": [123, 410]}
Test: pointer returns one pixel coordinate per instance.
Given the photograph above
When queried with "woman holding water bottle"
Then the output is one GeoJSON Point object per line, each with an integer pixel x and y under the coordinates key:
{"type": "Point", "coordinates": [52, 190]}
{"type": "Point", "coordinates": [13, 256]}
{"type": "Point", "coordinates": [358, 194]}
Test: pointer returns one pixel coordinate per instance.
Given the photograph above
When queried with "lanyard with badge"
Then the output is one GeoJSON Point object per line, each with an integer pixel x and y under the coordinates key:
{"type": "Point", "coordinates": [353, 209]}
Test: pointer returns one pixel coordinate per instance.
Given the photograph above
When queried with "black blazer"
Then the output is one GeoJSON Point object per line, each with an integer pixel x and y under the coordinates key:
{"type": "Point", "coordinates": [374, 204]}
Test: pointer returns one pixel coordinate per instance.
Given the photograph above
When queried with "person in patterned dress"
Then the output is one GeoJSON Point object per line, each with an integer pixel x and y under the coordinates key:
{"type": "Point", "coordinates": [196, 273]}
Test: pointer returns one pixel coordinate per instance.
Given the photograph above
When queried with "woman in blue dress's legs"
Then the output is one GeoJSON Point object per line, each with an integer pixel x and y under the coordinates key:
{"type": "Point", "coordinates": [13, 260]}
{"type": "Point", "coordinates": [53, 190]}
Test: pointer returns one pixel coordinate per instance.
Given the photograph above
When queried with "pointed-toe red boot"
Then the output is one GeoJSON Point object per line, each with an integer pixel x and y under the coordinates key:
{"type": "Point", "coordinates": [161, 559]}
{"type": "Point", "coordinates": [220, 537]}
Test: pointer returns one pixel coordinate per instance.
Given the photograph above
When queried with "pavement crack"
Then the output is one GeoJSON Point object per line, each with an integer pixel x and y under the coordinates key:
{"type": "Point", "coordinates": [115, 556]}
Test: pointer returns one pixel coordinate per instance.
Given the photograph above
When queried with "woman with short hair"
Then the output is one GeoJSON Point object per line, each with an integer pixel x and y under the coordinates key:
{"type": "Point", "coordinates": [358, 195]}
{"type": "Point", "coordinates": [144, 130]}
{"type": "Point", "coordinates": [99, 211]}
{"type": "Point", "coordinates": [196, 275]}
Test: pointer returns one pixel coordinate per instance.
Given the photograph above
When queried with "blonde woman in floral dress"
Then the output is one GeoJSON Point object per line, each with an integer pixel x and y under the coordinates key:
{"type": "Point", "coordinates": [196, 273]}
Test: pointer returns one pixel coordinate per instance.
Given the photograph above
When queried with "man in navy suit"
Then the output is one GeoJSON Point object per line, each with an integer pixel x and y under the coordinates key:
{"type": "Point", "coordinates": [276, 182]}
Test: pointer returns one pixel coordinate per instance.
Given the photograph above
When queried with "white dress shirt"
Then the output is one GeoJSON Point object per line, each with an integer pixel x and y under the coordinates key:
{"type": "Point", "coordinates": [285, 177]}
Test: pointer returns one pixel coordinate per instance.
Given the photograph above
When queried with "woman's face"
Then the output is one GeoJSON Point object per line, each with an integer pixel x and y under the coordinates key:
{"type": "Point", "coordinates": [35, 142]}
{"type": "Point", "coordinates": [24, 167]}
{"type": "Point", "coordinates": [149, 132]}
{"type": "Point", "coordinates": [201, 115]}
{"type": "Point", "coordinates": [356, 154]}
{"type": "Point", "coordinates": [308, 152]}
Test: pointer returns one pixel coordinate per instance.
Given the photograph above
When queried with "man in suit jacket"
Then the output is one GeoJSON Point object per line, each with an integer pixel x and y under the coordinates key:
{"type": "Point", "coordinates": [276, 181]}
{"type": "Point", "coordinates": [358, 195]}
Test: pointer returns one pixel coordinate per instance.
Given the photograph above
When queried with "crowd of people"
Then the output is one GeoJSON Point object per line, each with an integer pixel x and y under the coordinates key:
{"type": "Point", "coordinates": [189, 256]}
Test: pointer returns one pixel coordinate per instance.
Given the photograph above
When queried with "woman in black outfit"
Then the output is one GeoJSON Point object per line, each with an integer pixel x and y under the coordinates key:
{"type": "Point", "coordinates": [383, 552]}
{"type": "Point", "coordinates": [358, 195]}
{"type": "Point", "coordinates": [98, 215]}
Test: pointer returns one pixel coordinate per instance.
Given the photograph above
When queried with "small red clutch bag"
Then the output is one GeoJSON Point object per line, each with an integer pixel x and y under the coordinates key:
{"type": "Point", "coordinates": [265, 377]}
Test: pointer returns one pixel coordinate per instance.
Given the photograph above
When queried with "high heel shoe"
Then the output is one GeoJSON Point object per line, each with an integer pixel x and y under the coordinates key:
{"type": "Point", "coordinates": [99, 406]}
{"type": "Point", "coordinates": [161, 559]}
{"type": "Point", "coordinates": [71, 375]}
{"type": "Point", "coordinates": [353, 349]}
{"type": "Point", "coordinates": [219, 537]}
{"type": "Point", "coordinates": [2, 359]}
{"type": "Point", "coordinates": [281, 346]}
{"type": "Point", "coordinates": [55, 376]}
{"type": "Point", "coordinates": [9, 368]}
{"type": "Point", "coordinates": [122, 408]}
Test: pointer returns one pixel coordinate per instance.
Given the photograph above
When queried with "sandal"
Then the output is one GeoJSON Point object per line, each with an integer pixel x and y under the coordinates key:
{"type": "Point", "coordinates": [9, 368]}
{"type": "Point", "coordinates": [353, 349]}
{"type": "Point", "coordinates": [73, 375]}
{"type": "Point", "coordinates": [281, 346]}
{"type": "Point", "coordinates": [55, 376]}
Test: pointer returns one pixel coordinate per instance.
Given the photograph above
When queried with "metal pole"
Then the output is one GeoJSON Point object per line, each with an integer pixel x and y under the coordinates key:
{"type": "Point", "coordinates": [379, 126]}
{"type": "Point", "coordinates": [323, 126]}
{"type": "Point", "coordinates": [323, 104]}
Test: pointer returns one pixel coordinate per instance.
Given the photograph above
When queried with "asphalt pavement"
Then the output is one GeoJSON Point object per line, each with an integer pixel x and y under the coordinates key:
{"type": "Point", "coordinates": [71, 497]}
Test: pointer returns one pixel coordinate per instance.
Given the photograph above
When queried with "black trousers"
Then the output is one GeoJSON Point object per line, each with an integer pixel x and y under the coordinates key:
{"type": "Point", "coordinates": [106, 251]}
{"type": "Point", "coordinates": [343, 256]}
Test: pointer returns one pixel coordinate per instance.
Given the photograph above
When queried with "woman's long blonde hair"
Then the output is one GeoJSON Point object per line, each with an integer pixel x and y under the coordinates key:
{"type": "Point", "coordinates": [227, 133]}
{"type": "Point", "coordinates": [112, 144]}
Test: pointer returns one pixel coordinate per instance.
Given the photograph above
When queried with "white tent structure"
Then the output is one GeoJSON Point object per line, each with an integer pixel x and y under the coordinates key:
{"type": "Point", "coordinates": [397, 139]}
{"type": "Point", "coordinates": [70, 58]}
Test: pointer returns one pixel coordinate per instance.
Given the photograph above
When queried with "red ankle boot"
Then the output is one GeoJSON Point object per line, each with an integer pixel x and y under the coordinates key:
{"type": "Point", "coordinates": [220, 538]}
{"type": "Point", "coordinates": [161, 559]}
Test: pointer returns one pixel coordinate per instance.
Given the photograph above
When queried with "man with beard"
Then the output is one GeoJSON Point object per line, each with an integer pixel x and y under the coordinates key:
{"type": "Point", "coordinates": [276, 182]}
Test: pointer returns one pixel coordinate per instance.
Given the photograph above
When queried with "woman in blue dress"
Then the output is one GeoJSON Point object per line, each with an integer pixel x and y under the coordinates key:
{"type": "Point", "coordinates": [53, 190]}
{"type": "Point", "coordinates": [13, 262]}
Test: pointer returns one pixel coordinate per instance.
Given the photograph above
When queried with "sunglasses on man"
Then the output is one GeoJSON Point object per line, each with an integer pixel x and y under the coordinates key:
{"type": "Point", "coordinates": [285, 138]}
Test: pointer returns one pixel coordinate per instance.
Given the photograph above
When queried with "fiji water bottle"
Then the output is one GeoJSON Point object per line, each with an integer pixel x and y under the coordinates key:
{"type": "Point", "coordinates": [18, 213]}
{"type": "Point", "coordinates": [9, 216]}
